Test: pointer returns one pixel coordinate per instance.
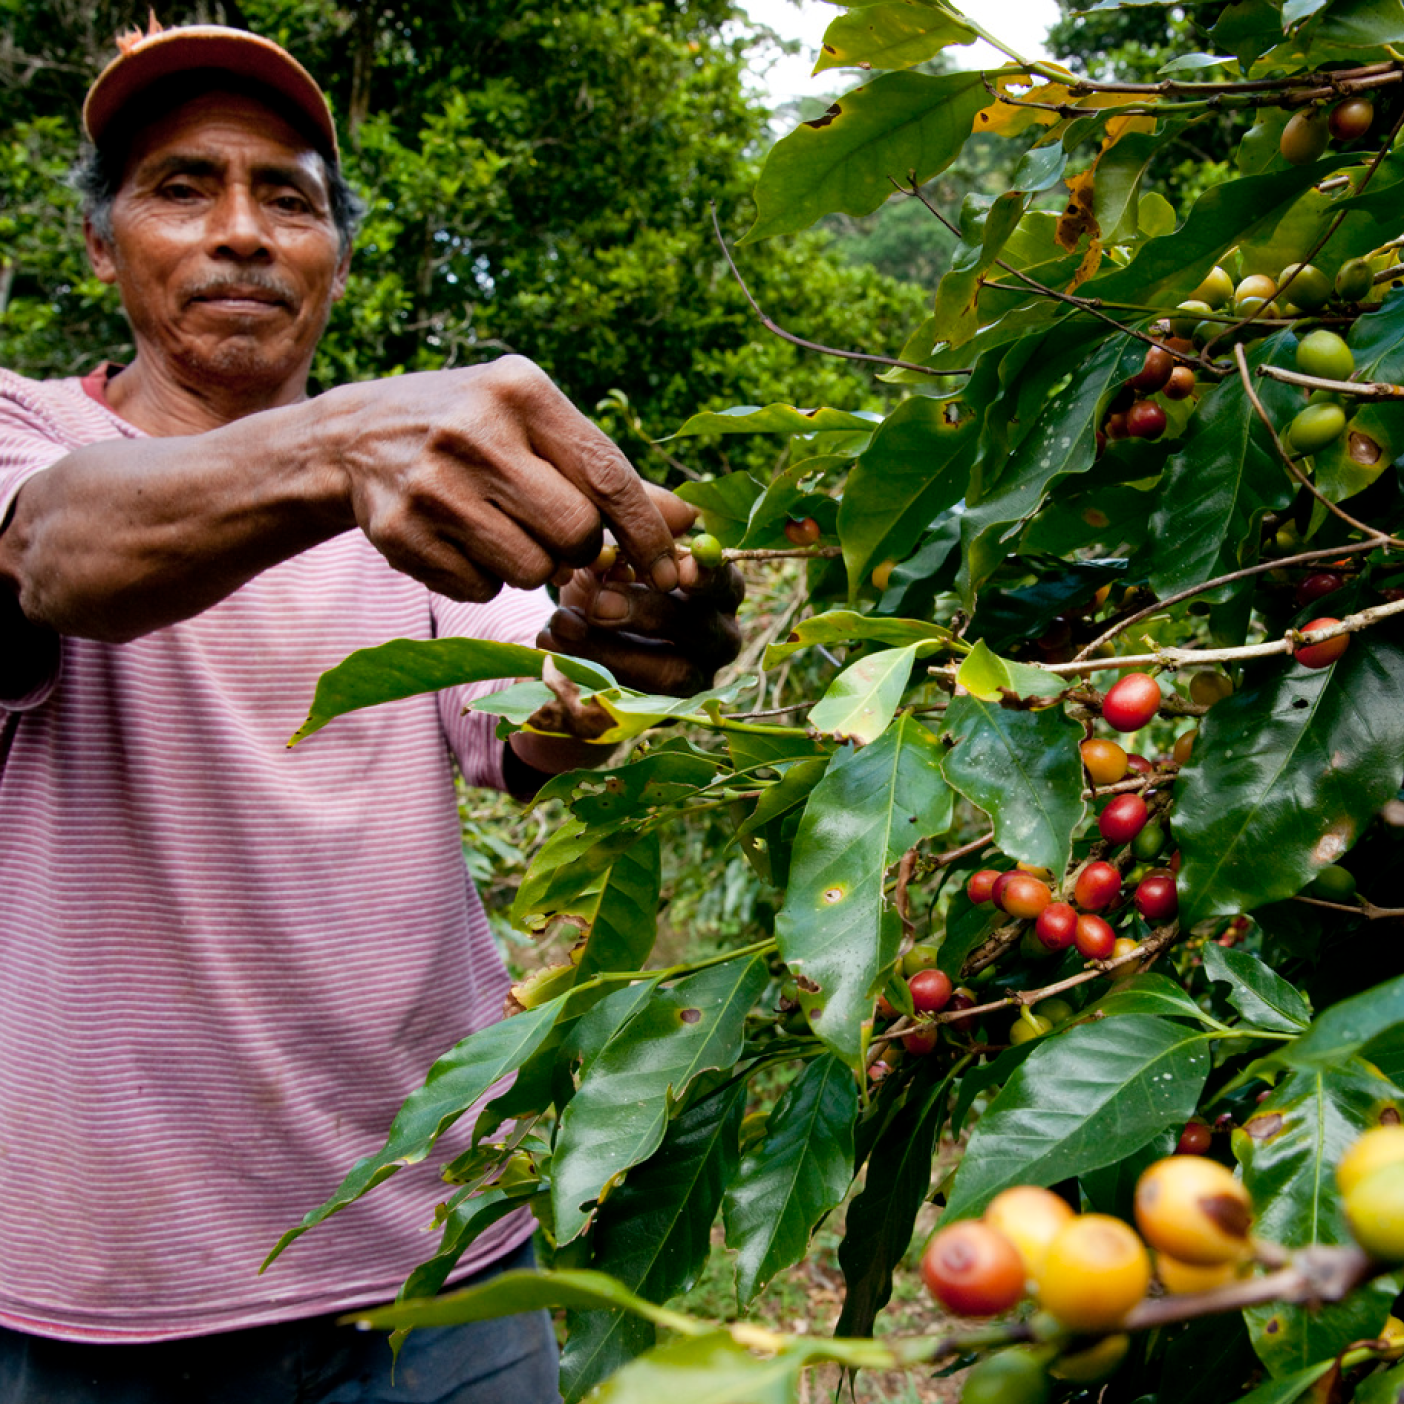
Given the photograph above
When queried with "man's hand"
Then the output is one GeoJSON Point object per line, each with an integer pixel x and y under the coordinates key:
{"type": "Point", "coordinates": [470, 479]}
{"type": "Point", "coordinates": [671, 643]}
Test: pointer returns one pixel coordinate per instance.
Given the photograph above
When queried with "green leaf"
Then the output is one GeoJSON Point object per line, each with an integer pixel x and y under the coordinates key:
{"type": "Point", "coordinates": [725, 504]}
{"type": "Point", "coordinates": [901, 125]}
{"type": "Point", "coordinates": [989, 677]}
{"type": "Point", "coordinates": [890, 34]}
{"type": "Point", "coordinates": [770, 419]}
{"type": "Point", "coordinates": [463, 1225]}
{"type": "Point", "coordinates": [985, 227]}
{"type": "Point", "coordinates": [1168, 269]}
{"type": "Point", "coordinates": [843, 626]}
{"type": "Point", "coordinates": [624, 922]}
{"type": "Point", "coordinates": [1216, 489]}
{"type": "Point", "coordinates": [406, 667]}
{"type": "Point", "coordinates": [798, 1172]}
{"type": "Point", "coordinates": [619, 1115]}
{"type": "Point", "coordinates": [1060, 443]}
{"type": "Point", "coordinates": [860, 702]}
{"type": "Point", "coordinates": [511, 1293]}
{"type": "Point", "coordinates": [1293, 766]}
{"type": "Point", "coordinates": [1024, 770]}
{"type": "Point", "coordinates": [878, 1224]}
{"type": "Point", "coordinates": [917, 466]}
{"type": "Point", "coordinates": [1289, 1149]}
{"type": "Point", "coordinates": [1257, 991]}
{"type": "Point", "coordinates": [665, 775]}
{"type": "Point", "coordinates": [1348, 1028]}
{"type": "Point", "coordinates": [836, 928]}
{"type": "Point", "coordinates": [654, 1234]}
{"type": "Point", "coordinates": [1149, 993]}
{"type": "Point", "coordinates": [1085, 1098]}
{"type": "Point", "coordinates": [1290, 1388]}
{"type": "Point", "coordinates": [568, 865]}
{"type": "Point", "coordinates": [787, 793]}
{"type": "Point", "coordinates": [1384, 1388]}
{"type": "Point", "coordinates": [454, 1083]}
{"type": "Point", "coordinates": [712, 1369]}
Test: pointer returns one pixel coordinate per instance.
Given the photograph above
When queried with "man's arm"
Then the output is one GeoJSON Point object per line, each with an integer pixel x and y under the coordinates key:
{"type": "Point", "coordinates": [463, 479]}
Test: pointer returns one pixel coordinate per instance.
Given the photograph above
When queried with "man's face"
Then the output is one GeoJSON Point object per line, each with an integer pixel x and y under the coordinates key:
{"type": "Point", "coordinates": [224, 247]}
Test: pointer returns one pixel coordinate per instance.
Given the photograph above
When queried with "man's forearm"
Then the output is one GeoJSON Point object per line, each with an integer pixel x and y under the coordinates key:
{"type": "Point", "coordinates": [126, 536]}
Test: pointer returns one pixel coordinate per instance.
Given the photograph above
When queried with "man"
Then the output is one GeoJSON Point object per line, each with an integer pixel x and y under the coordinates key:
{"type": "Point", "coordinates": [223, 963]}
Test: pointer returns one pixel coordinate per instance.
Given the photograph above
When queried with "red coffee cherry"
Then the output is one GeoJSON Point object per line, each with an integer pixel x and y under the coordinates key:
{"type": "Point", "coordinates": [1321, 655]}
{"type": "Point", "coordinates": [973, 1269]}
{"type": "Point", "coordinates": [1131, 702]}
{"type": "Point", "coordinates": [1056, 926]}
{"type": "Point", "coordinates": [980, 888]}
{"type": "Point", "coordinates": [1316, 585]}
{"type": "Point", "coordinates": [1157, 898]}
{"type": "Point", "coordinates": [930, 991]}
{"type": "Point", "coordinates": [1155, 371]}
{"type": "Point", "coordinates": [1001, 886]}
{"type": "Point", "coordinates": [804, 532]}
{"type": "Point", "coordinates": [961, 998]}
{"type": "Point", "coordinates": [1139, 764]}
{"type": "Point", "coordinates": [1098, 886]}
{"type": "Point", "coordinates": [1195, 1139]}
{"type": "Point", "coordinates": [1351, 118]}
{"type": "Point", "coordinates": [1123, 819]}
{"type": "Point", "coordinates": [1145, 420]}
{"type": "Point", "coordinates": [1025, 896]}
{"type": "Point", "coordinates": [920, 1041]}
{"type": "Point", "coordinates": [1095, 939]}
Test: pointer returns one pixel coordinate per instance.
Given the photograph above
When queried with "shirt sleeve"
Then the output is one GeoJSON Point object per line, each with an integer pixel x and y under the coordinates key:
{"type": "Point", "coordinates": [29, 443]}
{"type": "Point", "coordinates": [515, 616]}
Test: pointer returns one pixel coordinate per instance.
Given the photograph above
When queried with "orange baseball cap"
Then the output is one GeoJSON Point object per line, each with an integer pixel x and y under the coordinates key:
{"type": "Point", "coordinates": [160, 53]}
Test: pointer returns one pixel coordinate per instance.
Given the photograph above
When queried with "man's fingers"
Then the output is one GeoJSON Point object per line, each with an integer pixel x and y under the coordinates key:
{"type": "Point", "coordinates": [681, 516]}
{"type": "Point", "coordinates": [638, 663]}
{"type": "Point", "coordinates": [597, 466]}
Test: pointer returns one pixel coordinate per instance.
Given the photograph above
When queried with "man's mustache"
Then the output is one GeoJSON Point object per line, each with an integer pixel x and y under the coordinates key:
{"type": "Point", "coordinates": [250, 284]}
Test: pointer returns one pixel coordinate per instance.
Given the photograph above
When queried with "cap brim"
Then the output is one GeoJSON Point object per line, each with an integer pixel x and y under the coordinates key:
{"type": "Point", "coordinates": [171, 52]}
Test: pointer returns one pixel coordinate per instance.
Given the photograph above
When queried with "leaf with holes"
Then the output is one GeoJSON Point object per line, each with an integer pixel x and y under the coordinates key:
{"type": "Point", "coordinates": [836, 931]}
{"type": "Point", "coordinates": [619, 1115]}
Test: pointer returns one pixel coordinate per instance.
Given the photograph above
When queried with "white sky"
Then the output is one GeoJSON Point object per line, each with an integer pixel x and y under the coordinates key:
{"type": "Point", "coordinates": [1022, 23]}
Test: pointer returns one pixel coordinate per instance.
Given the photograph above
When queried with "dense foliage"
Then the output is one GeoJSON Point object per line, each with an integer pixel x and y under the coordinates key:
{"type": "Point", "coordinates": [539, 179]}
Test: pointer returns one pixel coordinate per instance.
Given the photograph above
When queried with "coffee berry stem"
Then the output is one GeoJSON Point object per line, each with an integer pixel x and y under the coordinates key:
{"type": "Point", "coordinates": [1359, 389]}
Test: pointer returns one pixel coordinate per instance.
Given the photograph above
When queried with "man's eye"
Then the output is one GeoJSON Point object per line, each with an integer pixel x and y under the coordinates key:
{"type": "Point", "coordinates": [179, 190]}
{"type": "Point", "coordinates": [293, 204]}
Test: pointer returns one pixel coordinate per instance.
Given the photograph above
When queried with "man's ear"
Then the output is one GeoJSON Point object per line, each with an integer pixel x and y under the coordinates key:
{"type": "Point", "coordinates": [99, 253]}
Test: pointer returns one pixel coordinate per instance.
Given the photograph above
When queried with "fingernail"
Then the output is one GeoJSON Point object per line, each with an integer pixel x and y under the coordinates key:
{"type": "Point", "coordinates": [610, 607]}
{"type": "Point", "coordinates": [665, 573]}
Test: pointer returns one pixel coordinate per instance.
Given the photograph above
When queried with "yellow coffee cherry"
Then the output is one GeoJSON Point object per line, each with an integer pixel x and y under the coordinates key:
{"type": "Point", "coordinates": [1181, 1279]}
{"type": "Point", "coordinates": [1382, 1145]}
{"type": "Point", "coordinates": [1193, 1209]}
{"type": "Point", "coordinates": [1094, 1272]}
{"type": "Point", "coordinates": [1374, 1209]}
{"type": "Point", "coordinates": [1030, 1218]}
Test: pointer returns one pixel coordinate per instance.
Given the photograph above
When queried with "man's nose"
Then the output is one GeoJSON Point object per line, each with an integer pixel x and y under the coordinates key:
{"type": "Point", "coordinates": [237, 226]}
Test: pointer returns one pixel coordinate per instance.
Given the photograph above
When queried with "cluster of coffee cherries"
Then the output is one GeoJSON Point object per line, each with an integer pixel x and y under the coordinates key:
{"type": "Point", "coordinates": [1086, 1272]}
{"type": "Point", "coordinates": [1312, 129]}
{"type": "Point", "coordinates": [1133, 413]}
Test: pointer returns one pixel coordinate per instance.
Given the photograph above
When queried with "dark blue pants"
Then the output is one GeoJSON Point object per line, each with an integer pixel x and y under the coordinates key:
{"type": "Point", "coordinates": [314, 1361]}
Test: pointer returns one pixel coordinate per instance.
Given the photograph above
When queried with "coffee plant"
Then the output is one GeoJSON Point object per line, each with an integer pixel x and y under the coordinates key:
{"type": "Point", "coordinates": [1087, 852]}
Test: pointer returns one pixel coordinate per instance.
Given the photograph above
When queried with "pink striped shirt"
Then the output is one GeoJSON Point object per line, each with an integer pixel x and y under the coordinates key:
{"type": "Point", "coordinates": [223, 963]}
